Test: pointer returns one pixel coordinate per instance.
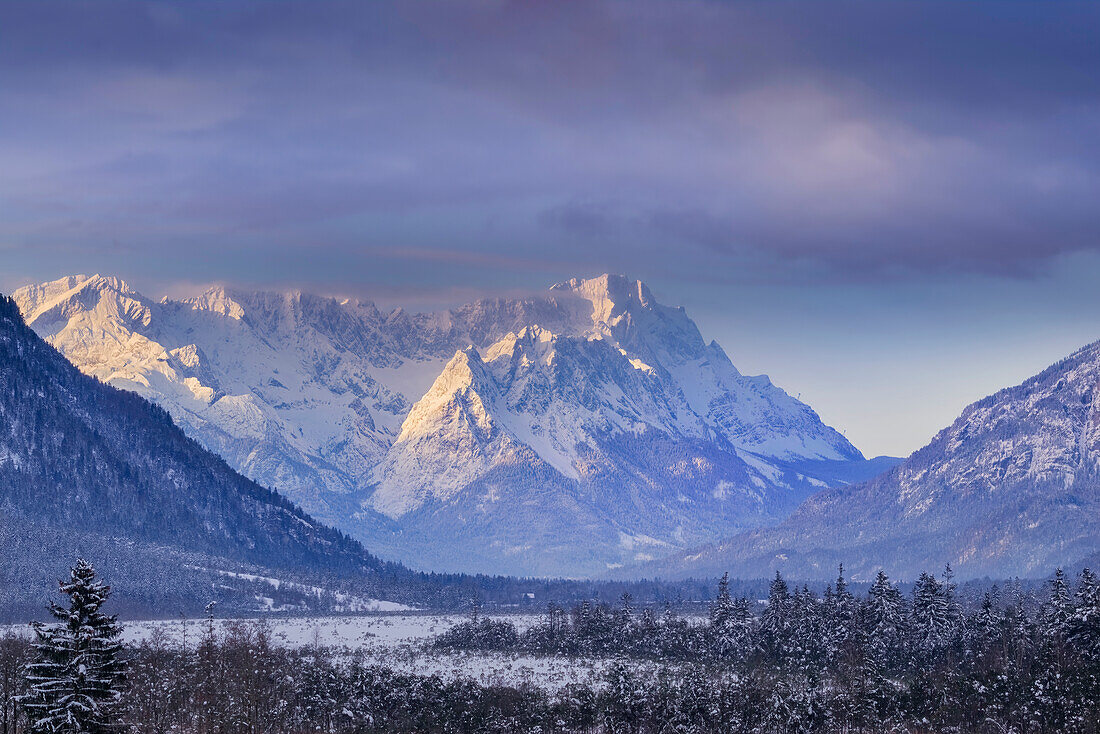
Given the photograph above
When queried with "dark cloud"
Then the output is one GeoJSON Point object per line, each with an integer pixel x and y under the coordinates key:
{"type": "Point", "coordinates": [839, 139]}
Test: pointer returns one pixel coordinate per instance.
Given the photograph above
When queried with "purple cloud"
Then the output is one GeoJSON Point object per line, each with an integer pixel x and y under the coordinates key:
{"type": "Point", "coordinates": [849, 139]}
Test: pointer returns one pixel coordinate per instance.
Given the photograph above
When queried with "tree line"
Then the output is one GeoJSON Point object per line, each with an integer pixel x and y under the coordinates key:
{"type": "Point", "coordinates": [880, 661]}
{"type": "Point", "coordinates": [836, 662]}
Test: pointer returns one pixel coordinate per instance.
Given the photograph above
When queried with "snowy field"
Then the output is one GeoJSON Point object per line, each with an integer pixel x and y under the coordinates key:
{"type": "Point", "coordinates": [397, 641]}
{"type": "Point", "coordinates": [400, 642]}
{"type": "Point", "coordinates": [390, 631]}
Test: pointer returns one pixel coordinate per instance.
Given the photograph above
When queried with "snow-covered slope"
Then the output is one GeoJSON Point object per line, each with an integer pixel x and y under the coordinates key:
{"type": "Point", "coordinates": [750, 412]}
{"type": "Point", "coordinates": [376, 420]}
{"type": "Point", "coordinates": [1012, 487]}
{"type": "Point", "coordinates": [633, 471]}
{"type": "Point", "coordinates": [90, 471]}
{"type": "Point", "coordinates": [281, 385]}
{"type": "Point", "coordinates": [558, 397]}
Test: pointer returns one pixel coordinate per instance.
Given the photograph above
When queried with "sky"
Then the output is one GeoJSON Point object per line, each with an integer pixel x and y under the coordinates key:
{"type": "Point", "coordinates": [889, 208]}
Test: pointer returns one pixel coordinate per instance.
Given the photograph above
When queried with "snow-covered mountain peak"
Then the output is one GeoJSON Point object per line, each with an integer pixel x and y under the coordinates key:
{"type": "Point", "coordinates": [447, 441]}
{"type": "Point", "coordinates": [463, 387]}
{"type": "Point", "coordinates": [533, 343]}
{"type": "Point", "coordinates": [564, 401]}
{"type": "Point", "coordinates": [217, 300]}
{"type": "Point", "coordinates": [59, 300]}
{"type": "Point", "coordinates": [593, 387]}
{"type": "Point", "coordinates": [1045, 430]}
{"type": "Point", "coordinates": [610, 295]}
{"type": "Point", "coordinates": [626, 312]}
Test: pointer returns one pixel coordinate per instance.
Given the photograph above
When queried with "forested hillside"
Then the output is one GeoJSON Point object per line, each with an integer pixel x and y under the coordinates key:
{"type": "Point", "coordinates": [87, 469]}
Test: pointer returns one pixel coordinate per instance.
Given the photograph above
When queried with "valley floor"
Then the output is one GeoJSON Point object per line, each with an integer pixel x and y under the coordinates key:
{"type": "Point", "coordinates": [400, 642]}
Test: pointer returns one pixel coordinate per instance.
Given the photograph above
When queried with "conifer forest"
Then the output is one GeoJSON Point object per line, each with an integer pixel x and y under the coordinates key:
{"type": "Point", "coordinates": [879, 661]}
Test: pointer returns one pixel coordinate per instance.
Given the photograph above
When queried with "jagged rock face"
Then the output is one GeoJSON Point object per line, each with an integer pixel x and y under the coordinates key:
{"type": "Point", "coordinates": [281, 385]}
{"type": "Point", "coordinates": [1046, 430]}
{"type": "Point", "coordinates": [561, 397]}
{"type": "Point", "coordinates": [633, 471]}
{"type": "Point", "coordinates": [749, 411]}
{"type": "Point", "coordinates": [1012, 487]}
{"type": "Point", "coordinates": [375, 421]}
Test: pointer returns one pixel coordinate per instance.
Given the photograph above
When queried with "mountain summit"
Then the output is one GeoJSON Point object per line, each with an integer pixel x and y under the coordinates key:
{"type": "Point", "coordinates": [561, 433]}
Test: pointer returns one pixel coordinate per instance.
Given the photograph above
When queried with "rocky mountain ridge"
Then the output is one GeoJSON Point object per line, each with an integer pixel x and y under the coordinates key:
{"type": "Point", "coordinates": [1011, 487]}
{"type": "Point", "coordinates": [88, 470]}
{"type": "Point", "coordinates": [377, 421]}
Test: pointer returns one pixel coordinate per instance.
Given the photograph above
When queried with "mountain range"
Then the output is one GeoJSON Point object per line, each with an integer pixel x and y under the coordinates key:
{"type": "Point", "coordinates": [1010, 488]}
{"type": "Point", "coordinates": [564, 433]}
{"type": "Point", "coordinates": [585, 431]}
{"type": "Point", "coordinates": [89, 470]}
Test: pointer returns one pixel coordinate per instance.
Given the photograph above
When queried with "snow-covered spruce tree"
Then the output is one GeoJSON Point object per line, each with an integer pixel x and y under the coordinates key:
{"type": "Point", "coordinates": [722, 607]}
{"type": "Point", "coordinates": [986, 625]}
{"type": "Point", "coordinates": [623, 623]}
{"type": "Point", "coordinates": [1055, 613]}
{"type": "Point", "coordinates": [933, 614]}
{"type": "Point", "coordinates": [805, 642]}
{"type": "Point", "coordinates": [775, 621]}
{"type": "Point", "coordinates": [839, 624]}
{"type": "Point", "coordinates": [14, 655]}
{"type": "Point", "coordinates": [1084, 623]}
{"type": "Point", "coordinates": [75, 679]}
{"type": "Point", "coordinates": [886, 620]}
{"type": "Point", "coordinates": [721, 613]}
{"type": "Point", "coordinates": [1084, 640]}
{"type": "Point", "coordinates": [731, 623]}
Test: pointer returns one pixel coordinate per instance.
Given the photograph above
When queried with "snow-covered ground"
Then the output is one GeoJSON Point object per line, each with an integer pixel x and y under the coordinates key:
{"type": "Point", "coordinates": [399, 642]}
{"type": "Point", "coordinates": [351, 632]}
{"type": "Point", "coordinates": [345, 603]}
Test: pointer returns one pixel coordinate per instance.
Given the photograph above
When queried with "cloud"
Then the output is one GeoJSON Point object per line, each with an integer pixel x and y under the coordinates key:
{"type": "Point", "coordinates": [842, 140]}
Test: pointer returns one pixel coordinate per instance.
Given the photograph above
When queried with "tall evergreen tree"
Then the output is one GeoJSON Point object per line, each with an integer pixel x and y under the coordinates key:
{"type": "Point", "coordinates": [76, 677]}
{"type": "Point", "coordinates": [805, 639]}
{"type": "Point", "coordinates": [884, 612]}
{"type": "Point", "coordinates": [883, 617]}
{"type": "Point", "coordinates": [723, 604]}
{"type": "Point", "coordinates": [14, 656]}
{"type": "Point", "coordinates": [730, 622]}
{"type": "Point", "coordinates": [1058, 607]}
{"type": "Point", "coordinates": [775, 622]}
{"type": "Point", "coordinates": [1084, 624]}
{"type": "Point", "coordinates": [1084, 634]}
{"type": "Point", "coordinates": [932, 613]}
{"type": "Point", "coordinates": [986, 624]}
{"type": "Point", "coordinates": [840, 610]}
